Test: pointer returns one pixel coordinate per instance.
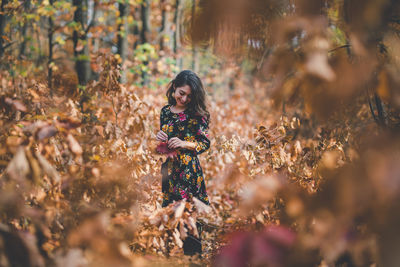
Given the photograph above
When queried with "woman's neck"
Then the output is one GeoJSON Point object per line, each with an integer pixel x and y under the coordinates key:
{"type": "Point", "coordinates": [177, 109]}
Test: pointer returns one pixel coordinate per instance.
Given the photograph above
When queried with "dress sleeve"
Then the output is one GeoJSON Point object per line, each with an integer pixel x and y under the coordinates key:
{"type": "Point", "coordinates": [201, 135]}
{"type": "Point", "coordinates": [162, 119]}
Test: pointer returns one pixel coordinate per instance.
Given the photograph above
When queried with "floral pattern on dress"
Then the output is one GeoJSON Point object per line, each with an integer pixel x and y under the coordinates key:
{"type": "Point", "coordinates": [185, 174]}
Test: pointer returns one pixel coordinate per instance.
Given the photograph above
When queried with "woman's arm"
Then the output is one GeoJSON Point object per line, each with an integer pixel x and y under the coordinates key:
{"type": "Point", "coordinates": [175, 142]}
{"type": "Point", "coordinates": [189, 145]}
{"type": "Point", "coordinates": [202, 142]}
{"type": "Point", "coordinates": [161, 135]}
{"type": "Point", "coordinates": [162, 118]}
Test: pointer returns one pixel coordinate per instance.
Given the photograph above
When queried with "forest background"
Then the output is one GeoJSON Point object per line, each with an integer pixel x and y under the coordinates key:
{"type": "Point", "coordinates": [303, 168]}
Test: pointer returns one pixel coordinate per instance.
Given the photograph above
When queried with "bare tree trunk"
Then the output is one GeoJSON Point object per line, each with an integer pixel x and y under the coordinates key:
{"type": "Point", "coordinates": [194, 50]}
{"type": "Point", "coordinates": [176, 43]}
{"type": "Point", "coordinates": [136, 30]}
{"type": "Point", "coordinates": [50, 61]}
{"type": "Point", "coordinates": [2, 26]}
{"type": "Point", "coordinates": [39, 53]}
{"type": "Point", "coordinates": [145, 17]}
{"type": "Point", "coordinates": [176, 25]}
{"type": "Point", "coordinates": [122, 34]}
{"type": "Point", "coordinates": [27, 6]}
{"type": "Point", "coordinates": [81, 50]}
{"type": "Point", "coordinates": [145, 31]}
{"type": "Point", "coordinates": [164, 24]}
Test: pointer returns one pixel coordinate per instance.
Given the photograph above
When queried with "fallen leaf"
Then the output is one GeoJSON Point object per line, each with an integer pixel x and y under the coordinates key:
{"type": "Point", "coordinates": [163, 148]}
{"type": "Point", "coordinates": [74, 145]}
{"type": "Point", "coordinates": [179, 210]}
{"type": "Point", "coordinates": [48, 168]}
{"type": "Point", "coordinates": [46, 132]}
{"type": "Point", "coordinates": [200, 206]}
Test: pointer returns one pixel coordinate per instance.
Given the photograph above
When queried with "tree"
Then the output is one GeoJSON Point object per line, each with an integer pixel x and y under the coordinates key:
{"type": "Point", "coordinates": [145, 18]}
{"type": "Point", "coordinates": [50, 61]}
{"type": "Point", "coordinates": [3, 20]}
{"type": "Point", "coordinates": [122, 31]}
{"type": "Point", "coordinates": [81, 49]}
{"type": "Point", "coordinates": [194, 50]}
{"type": "Point", "coordinates": [22, 47]}
{"type": "Point", "coordinates": [164, 23]}
{"type": "Point", "coordinates": [177, 30]}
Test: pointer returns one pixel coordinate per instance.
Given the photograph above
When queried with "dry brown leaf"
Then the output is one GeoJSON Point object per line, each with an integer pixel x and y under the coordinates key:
{"type": "Point", "coordinates": [74, 145]}
{"type": "Point", "coordinates": [48, 169]}
{"type": "Point", "coordinates": [179, 209]}
{"type": "Point", "coordinates": [177, 238]}
{"type": "Point", "coordinates": [201, 207]}
{"type": "Point", "coordinates": [18, 168]}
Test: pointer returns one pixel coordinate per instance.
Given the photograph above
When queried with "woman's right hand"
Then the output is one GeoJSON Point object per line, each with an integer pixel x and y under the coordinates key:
{"type": "Point", "coordinates": [161, 136]}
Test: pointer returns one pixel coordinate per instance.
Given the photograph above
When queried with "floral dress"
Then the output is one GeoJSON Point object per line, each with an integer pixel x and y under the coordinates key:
{"type": "Point", "coordinates": [185, 176]}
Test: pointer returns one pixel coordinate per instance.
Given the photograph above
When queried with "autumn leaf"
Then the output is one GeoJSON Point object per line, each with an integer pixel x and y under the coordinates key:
{"type": "Point", "coordinates": [16, 104]}
{"type": "Point", "coordinates": [69, 123]}
{"type": "Point", "coordinates": [46, 132]}
{"type": "Point", "coordinates": [163, 148]}
{"type": "Point", "coordinates": [18, 168]}
{"type": "Point", "coordinates": [74, 145]}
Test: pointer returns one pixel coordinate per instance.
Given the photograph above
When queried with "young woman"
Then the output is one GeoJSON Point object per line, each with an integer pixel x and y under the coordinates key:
{"type": "Point", "coordinates": [184, 125]}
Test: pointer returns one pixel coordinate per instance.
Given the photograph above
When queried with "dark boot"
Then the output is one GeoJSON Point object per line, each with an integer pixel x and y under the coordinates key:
{"type": "Point", "coordinates": [192, 245]}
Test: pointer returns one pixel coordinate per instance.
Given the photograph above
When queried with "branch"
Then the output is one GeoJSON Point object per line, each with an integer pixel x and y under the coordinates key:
{"type": "Point", "coordinates": [380, 119]}
{"type": "Point", "coordinates": [55, 28]}
{"type": "Point", "coordinates": [379, 106]}
{"type": "Point", "coordinates": [7, 45]}
{"type": "Point", "coordinates": [266, 54]}
{"type": "Point", "coordinates": [372, 109]}
{"type": "Point", "coordinates": [339, 47]}
{"type": "Point", "coordinates": [91, 23]}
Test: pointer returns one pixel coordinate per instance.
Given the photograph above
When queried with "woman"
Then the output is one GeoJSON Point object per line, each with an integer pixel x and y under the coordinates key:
{"type": "Point", "coordinates": [184, 125]}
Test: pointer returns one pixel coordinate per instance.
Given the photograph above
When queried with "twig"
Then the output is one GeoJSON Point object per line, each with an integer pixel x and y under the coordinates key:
{"type": "Point", "coordinates": [266, 53]}
{"type": "Point", "coordinates": [7, 45]}
{"type": "Point", "coordinates": [371, 108]}
{"type": "Point", "coordinates": [339, 47]}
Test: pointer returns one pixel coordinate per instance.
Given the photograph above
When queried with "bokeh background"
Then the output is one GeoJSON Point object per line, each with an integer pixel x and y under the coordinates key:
{"type": "Point", "coordinates": [304, 101]}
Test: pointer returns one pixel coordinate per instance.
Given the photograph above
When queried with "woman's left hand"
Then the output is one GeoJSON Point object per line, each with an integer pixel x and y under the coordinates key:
{"type": "Point", "coordinates": [175, 142]}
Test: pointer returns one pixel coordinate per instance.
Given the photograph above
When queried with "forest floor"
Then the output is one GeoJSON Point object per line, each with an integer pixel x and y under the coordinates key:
{"type": "Point", "coordinates": [88, 168]}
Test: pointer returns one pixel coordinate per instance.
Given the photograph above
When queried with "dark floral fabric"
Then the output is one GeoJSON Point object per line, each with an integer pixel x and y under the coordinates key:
{"type": "Point", "coordinates": [185, 175]}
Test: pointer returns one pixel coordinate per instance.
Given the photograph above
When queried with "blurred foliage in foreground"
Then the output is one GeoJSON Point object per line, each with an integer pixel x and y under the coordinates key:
{"type": "Point", "coordinates": [313, 182]}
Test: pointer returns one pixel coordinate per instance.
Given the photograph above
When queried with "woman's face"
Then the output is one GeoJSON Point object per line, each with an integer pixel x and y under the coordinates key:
{"type": "Point", "coordinates": [183, 96]}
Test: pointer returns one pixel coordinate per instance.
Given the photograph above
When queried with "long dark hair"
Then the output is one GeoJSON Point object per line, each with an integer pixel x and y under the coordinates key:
{"type": "Point", "coordinates": [198, 94]}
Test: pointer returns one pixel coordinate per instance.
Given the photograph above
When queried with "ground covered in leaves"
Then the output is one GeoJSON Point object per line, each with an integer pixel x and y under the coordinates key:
{"type": "Point", "coordinates": [80, 181]}
{"type": "Point", "coordinates": [304, 101]}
